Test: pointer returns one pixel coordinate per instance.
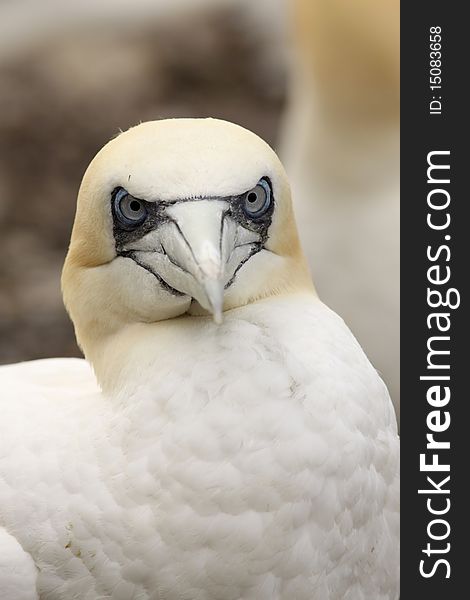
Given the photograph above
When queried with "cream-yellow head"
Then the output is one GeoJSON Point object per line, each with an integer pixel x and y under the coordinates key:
{"type": "Point", "coordinates": [179, 216]}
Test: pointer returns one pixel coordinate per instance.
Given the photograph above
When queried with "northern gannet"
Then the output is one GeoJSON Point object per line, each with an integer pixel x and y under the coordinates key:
{"type": "Point", "coordinates": [252, 457]}
{"type": "Point", "coordinates": [340, 146]}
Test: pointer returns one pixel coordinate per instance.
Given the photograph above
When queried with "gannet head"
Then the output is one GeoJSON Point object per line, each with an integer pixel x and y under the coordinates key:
{"type": "Point", "coordinates": [179, 216]}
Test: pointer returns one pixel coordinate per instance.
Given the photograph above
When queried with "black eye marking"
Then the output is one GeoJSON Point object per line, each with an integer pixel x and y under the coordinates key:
{"type": "Point", "coordinates": [257, 201]}
{"type": "Point", "coordinates": [128, 211]}
{"type": "Point", "coordinates": [254, 209]}
{"type": "Point", "coordinates": [133, 217]}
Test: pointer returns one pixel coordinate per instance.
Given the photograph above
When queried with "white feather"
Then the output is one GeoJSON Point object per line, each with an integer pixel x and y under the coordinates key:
{"type": "Point", "coordinates": [256, 459]}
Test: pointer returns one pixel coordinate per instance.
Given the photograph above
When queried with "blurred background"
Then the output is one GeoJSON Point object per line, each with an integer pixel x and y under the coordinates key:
{"type": "Point", "coordinates": [318, 79]}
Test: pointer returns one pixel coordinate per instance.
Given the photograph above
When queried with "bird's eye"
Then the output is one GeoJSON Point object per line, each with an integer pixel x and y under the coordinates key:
{"type": "Point", "coordinates": [130, 211]}
{"type": "Point", "coordinates": [257, 201]}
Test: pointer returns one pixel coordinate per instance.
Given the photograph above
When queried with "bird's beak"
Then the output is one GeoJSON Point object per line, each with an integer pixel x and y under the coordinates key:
{"type": "Point", "coordinates": [197, 251]}
{"type": "Point", "coordinates": [196, 245]}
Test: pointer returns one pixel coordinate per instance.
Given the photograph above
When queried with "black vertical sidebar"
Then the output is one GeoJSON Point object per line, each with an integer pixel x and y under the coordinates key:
{"type": "Point", "coordinates": [434, 523]}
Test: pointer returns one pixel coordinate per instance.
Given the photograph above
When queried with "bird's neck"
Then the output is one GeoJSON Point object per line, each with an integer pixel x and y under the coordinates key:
{"type": "Point", "coordinates": [146, 356]}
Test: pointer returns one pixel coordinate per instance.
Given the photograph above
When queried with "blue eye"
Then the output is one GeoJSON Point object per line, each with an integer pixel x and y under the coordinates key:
{"type": "Point", "coordinates": [130, 211]}
{"type": "Point", "coordinates": [257, 201]}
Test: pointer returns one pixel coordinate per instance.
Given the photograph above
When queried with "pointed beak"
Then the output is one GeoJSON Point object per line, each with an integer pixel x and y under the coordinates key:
{"type": "Point", "coordinates": [197, 251]}
{"type": "Point", "coordinates": [195, 244]}
{"type": "Point", "coordinates": [214, 291]}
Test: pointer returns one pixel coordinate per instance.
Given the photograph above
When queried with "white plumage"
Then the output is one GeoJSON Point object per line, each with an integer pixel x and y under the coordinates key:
{"type": "Point", "coordinates": [254, 459]}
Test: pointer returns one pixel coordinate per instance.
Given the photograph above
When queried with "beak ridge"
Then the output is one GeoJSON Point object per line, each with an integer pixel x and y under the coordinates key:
{"type": "Point", "coordinates": [201, 225]}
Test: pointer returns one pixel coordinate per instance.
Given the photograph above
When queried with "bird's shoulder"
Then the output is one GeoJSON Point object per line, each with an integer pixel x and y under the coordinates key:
{"type": "Point", "coordinates": [52, 377]}
{"type": "Point", "coordinates": [325, 362]}
{"type": "Point", "coordinates": [49, 395]}
{"type": "Point", "coordinates": [313, 335]}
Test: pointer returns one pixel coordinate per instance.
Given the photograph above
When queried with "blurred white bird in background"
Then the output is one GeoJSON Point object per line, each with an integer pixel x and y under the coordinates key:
{"type": "Point", "coordinates": [255, 457]}
{"type": "Point", "coordinates": [340, 146]}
